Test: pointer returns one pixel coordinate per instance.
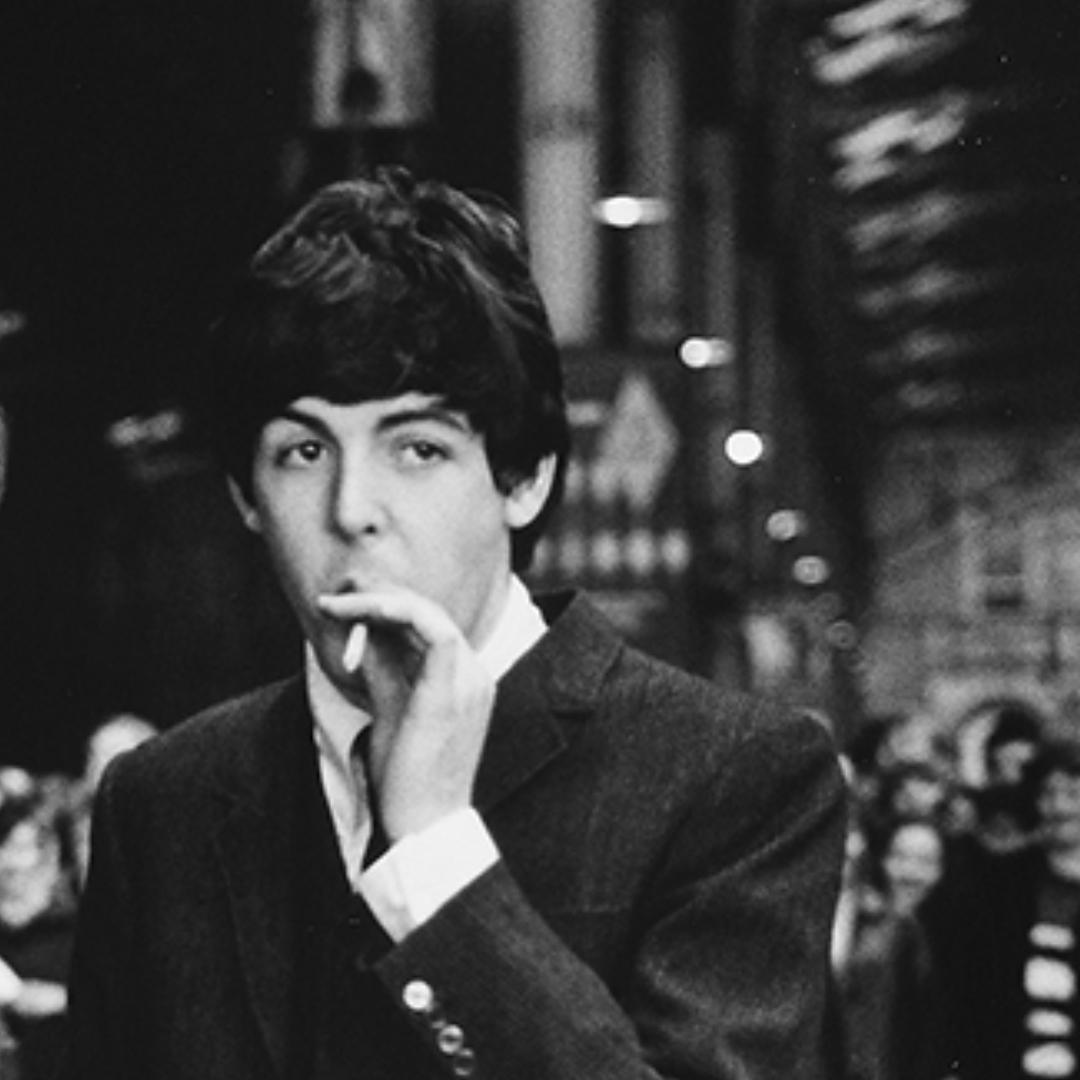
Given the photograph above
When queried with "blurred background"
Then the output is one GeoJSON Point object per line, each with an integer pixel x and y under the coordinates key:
{"type": "Point", "coordinates": [813, 264]}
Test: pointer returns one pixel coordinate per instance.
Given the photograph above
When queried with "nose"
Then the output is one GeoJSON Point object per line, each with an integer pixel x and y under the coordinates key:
{"type": "Point", "coordinates": [357, 501]}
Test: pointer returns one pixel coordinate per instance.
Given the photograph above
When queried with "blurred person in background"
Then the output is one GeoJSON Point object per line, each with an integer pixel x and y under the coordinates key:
{"type": "Point", "coordinates": [115, 735]}
{"type": "Point", "coordinates": [1011, 745]}
{"type": "Point", "coordinates": [478, 834]}
{"type": "Point", "coordinates": [913, 790]}
{"type": "Point", "coordinates": [1006, 818]}
{"type": "Point", "coordinates": [15, 782]}
{"type": "Point", "coordinates": [884, 1011]}
{"type": "Point", "coordinates": [912, 862]}
{"type": "Point", "coordinates": [37, 913]}
{"type": "Point", "coordinates": [912, 739]}
{"type": "Point", "coordinates": [904, 769]}
{"type": "Point", "coordinates": [1005, 936]}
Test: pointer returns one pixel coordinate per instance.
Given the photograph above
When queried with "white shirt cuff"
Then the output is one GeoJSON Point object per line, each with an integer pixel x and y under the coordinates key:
{"type": "Point", "coordinates": [421, 872]}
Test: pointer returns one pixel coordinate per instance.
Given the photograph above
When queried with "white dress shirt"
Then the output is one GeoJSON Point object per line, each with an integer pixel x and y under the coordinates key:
{"type": "Point", "coordinates": [419, 873]}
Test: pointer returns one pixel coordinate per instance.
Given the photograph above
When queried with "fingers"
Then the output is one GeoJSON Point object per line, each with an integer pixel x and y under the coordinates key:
{"type": "Point", "coordinates": [423, 622]}
{"type": "Point", "coordinates": [430, 697]}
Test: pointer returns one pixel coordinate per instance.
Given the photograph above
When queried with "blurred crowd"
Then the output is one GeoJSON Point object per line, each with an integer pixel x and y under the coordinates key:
{"type": "Point", "coordinates": [44, 852]}
{"type": "Point", "coordinates": [954, 947]}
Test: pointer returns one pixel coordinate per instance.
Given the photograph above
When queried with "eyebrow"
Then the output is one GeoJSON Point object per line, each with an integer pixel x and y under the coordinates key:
{"type": "Point", "coordinates": [438, 414]}
{"type": "Point", "coordinates": [433, 413]}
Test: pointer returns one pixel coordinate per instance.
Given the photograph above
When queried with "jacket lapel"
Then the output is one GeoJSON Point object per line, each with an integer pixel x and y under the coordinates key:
{"type": "Point", "coordinates": [542, 700]}
{"type": "Point", "coordinates": [258, 838]}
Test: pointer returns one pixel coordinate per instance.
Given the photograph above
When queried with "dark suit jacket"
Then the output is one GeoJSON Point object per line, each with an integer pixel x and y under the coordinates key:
{"type": "Point", "coordinates": [670, 862]}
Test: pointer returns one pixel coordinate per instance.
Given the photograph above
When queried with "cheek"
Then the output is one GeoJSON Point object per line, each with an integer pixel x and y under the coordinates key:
{"type": "Point", "coordinates": [294, 551]}
{"type": "Point", "coordinates": [458, 550]}
{"type": "Point", "coordinates": [457, 522]}
{"type": "Point", "coordinates": [456, 558]}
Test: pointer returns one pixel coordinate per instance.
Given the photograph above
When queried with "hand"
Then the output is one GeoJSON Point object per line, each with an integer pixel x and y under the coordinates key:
{"type": "Point", "coordinates": [431, 699]}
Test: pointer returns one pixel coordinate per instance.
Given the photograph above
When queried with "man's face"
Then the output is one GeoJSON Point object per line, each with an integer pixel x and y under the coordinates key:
{"type": "Point", "coordinates": [394, 492]}
{"type": "Point", "coordinates": [1059, 807]}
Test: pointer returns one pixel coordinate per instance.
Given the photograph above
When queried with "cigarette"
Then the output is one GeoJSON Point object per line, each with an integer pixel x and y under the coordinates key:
{"type": "Point", "coordinates": [354, 648]}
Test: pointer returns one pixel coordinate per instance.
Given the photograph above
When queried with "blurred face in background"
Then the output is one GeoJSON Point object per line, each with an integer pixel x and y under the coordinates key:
{"type": "Point", "coordinates": [1007, 762]}
{"type": "Point", "coordinates": [116, 736]}
{"type": "Point", "coordinates": [913, 863]}
{"type": "Point", "coordinates": [30, 873]}
{"type": "Point", "coordinates": [919, 793]}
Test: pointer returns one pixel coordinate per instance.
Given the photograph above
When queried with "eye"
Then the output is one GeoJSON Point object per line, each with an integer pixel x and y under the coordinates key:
{"type": "Point", "coordinates": [418, 451]}
{"type": "Point", "coordinates": [300, 453]}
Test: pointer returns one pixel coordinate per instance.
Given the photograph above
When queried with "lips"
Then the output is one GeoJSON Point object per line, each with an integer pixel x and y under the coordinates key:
{"type": "Point", "coordinates": [350, 584]}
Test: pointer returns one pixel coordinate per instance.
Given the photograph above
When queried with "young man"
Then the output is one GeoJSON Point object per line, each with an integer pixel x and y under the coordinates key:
{"type": "Point", "coordinates": [478, 835]}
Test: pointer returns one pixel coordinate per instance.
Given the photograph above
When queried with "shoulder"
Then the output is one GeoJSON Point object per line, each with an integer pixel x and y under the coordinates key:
{"type": "Point", "coordinates": [691, 707]}
{"type": "Point", "coordinates": [752, 745]}
{"type": "Point", "coordinates": [682, 721]}
{"type": "Point", "coordinates": [198, 748]}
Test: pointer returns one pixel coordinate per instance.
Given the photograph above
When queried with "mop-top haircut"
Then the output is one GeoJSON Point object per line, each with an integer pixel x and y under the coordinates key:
{"type": "Point", "coordinates": [385, 286]}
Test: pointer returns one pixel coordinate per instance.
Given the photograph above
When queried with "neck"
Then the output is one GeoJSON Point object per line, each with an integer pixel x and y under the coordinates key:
{"type": "Point", "coordinates": [494, 610]}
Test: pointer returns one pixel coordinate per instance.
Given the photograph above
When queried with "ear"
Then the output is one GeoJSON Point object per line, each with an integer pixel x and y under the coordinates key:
{"type": "Point", "coordinates": [527, 497]}
{"type": "Point", "coordinates": [249, 513]}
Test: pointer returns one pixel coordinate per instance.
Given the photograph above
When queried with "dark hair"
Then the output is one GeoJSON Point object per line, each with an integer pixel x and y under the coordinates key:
{"type": "Point", "coordinates": [1013, 724]}
{"type": "Point", "coordinates": [389, 285]}
{"type": "Point", "coordinates": [1057, 755]}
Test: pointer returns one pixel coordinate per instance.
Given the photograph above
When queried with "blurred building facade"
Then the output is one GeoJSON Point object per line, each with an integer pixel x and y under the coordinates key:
{"type": "Point", "coordinates": [924, 219]}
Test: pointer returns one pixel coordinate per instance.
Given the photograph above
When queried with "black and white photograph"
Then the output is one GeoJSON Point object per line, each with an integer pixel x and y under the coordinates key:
{"type": "Point", "coordinates": [540, 540]}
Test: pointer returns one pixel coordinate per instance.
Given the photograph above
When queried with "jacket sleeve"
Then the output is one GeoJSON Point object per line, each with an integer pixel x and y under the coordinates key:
{"type": "Point", "coordinates": [725, 970]}
{"type": "Point", "coordinates": [99, 1004]}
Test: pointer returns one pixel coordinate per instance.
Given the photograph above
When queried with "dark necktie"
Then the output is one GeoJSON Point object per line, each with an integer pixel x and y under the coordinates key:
{"type": "Point", "coordinates": [361, 756]}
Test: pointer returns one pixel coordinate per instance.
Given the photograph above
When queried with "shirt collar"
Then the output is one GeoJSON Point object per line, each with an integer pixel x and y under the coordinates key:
{"type": "Point", "coordinates": [338, 721]}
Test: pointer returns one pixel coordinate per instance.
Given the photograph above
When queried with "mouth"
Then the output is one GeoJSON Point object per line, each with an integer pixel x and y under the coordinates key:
{"type": "Point", "coordinates": [349, 638]}
{"type": "Point", "coordinates": [349, 584]}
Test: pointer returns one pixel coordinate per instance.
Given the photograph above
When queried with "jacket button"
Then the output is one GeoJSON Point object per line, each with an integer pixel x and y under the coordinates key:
{"type": "Point", "coordinates": [418, 996]}
{"type": "Point", "coordinates": [450, 1039]}
{"type": "Point", "coordinates": [463, 1063]}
